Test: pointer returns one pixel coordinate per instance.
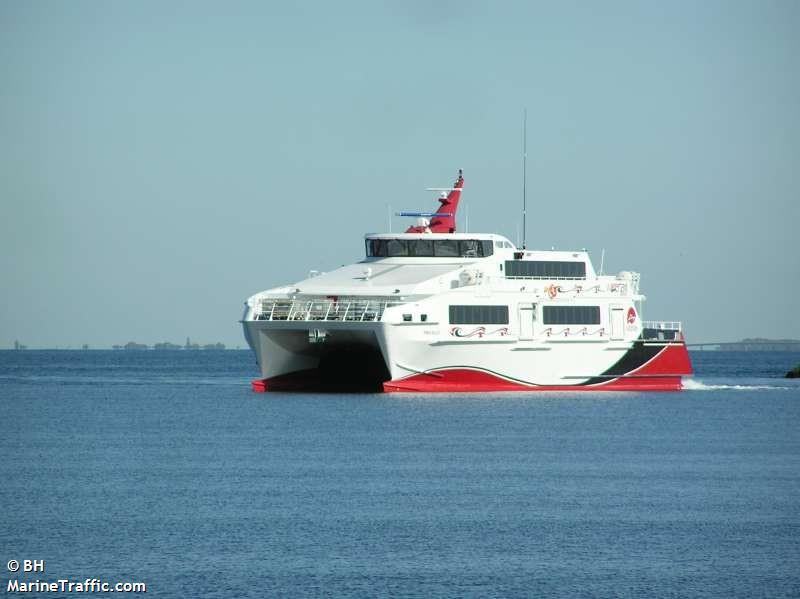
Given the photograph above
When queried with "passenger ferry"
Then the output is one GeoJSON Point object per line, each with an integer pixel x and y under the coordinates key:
{"type": "Point", "coordinates": [435, 310]}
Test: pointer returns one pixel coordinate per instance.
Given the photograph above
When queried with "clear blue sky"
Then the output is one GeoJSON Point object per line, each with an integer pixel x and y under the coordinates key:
{"type": "Point", "coordinates": [161, 161]}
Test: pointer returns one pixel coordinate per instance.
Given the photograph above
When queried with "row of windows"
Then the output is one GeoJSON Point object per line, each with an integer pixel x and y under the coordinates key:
{"type": "Point", "coordinates": [478, 314]}
{"type": "Point", "coordinates": [546, 269]}
{"type": "Point", "coordinates": [499, 314]}
{"type": "Point", "coordinates": [571, 314]}
{"type": "Point", "coordinates": [451, 248]}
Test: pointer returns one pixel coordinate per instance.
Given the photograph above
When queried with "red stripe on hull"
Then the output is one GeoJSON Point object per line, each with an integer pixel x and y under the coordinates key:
{"type": "Point", "coordinates": [662, 373]}
{"type": "Point", "coordinates": [463, 380]}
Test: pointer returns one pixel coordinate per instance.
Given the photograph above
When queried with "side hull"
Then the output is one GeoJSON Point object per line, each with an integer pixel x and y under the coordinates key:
{"type": "Point", "coordinates": [645, 367]}
{"type": "Point", "coordinates": [348, 360]}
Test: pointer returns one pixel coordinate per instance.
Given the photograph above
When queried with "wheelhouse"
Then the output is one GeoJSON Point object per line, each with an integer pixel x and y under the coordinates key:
{"type": "Point", "coordinates": [432, 246]}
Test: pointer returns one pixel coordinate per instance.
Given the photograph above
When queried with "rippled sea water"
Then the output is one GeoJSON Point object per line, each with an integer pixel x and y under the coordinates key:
{"type": "Point", "coordinates": [164, 467]}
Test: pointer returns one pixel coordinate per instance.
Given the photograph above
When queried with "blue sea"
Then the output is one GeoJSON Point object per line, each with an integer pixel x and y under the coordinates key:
{"type": "Point", "coordinates": [164, 468]}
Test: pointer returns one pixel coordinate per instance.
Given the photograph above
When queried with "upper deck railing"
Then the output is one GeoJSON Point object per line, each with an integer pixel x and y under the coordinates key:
{"type": "Point", "coordinates": [330, 310]}
{"type": "Point", "coordinates": [662, 325]}
{"type": "Point", "coordinates": [657, 330]}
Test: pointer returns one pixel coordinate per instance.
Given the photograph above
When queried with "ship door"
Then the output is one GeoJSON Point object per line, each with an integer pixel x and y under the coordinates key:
{"type": "Point", "coordinates": [617, 323]}
{"type": "Point", "coordinates": [527, 313]}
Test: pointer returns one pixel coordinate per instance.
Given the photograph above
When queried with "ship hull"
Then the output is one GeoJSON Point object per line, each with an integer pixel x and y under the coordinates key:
{"type": "Point", "coordinates": [664, 371]}
{"type": "Point", "coordinates": [378, 356]}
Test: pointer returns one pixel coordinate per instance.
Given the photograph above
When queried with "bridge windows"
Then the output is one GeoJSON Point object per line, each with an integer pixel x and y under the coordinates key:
{"type": "Point", "coordinates": [571, 314]}
{"type": "Point", "coordinates": [478, 314]}
{"type": "Point", "coordinates": [446, 248]}
{"type": "Point", "coordinates": [422, 248]}
{"type": "Point", "coordinates": [396, 247]}
{"type": "Point", "coordinates": [545, 269]}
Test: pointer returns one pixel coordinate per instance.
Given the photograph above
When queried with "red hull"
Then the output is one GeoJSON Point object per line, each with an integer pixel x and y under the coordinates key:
{"type": "Point", "coordinates": [464, 380]}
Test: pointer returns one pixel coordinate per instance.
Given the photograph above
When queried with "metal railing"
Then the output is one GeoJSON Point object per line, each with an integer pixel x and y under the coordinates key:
{"type": "Point", "coordinates": [656, 330]}
{"type": "Point", "coordinates": [325, 310]}
{"type": "Point", "coordinates": [662, 325]}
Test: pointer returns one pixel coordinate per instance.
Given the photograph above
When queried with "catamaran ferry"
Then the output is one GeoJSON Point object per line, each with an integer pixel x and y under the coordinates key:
{"type": "Point", "coordinates": [435, 310]}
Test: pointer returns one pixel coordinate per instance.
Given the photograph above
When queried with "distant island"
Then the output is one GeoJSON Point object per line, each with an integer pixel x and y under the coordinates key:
{"type": "Point", "coordinates": [167, 346]}
{"type": "Point", "coordinates": [135, 346]}
{"type": "Point", "coordinates": [759, 344]}
{"type": "Point", "coordinates": [130, 345]}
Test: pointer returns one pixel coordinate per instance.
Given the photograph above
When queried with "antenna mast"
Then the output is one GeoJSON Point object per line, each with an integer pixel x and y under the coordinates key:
{"type": "Point", "coordinates": [524, 175]}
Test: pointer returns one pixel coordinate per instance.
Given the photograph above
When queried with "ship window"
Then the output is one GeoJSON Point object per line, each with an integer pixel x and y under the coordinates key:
{"type": "Point", "coordinates": [469, 248]}
{"type": "Point", "coordinates": [571, 314]}
{"type": "Point", "coordinates": [420, 247]}
{"type": "Point", "coordinates": [445, 247]}
{"type": "Point", "coordinates": [396, 247]}
{"type": "Point", "coordinates": [478, 314]}
{"type": "Point", "coordinates": [376, 247]}
{"type": "Point", "coordinates": [546, 269]}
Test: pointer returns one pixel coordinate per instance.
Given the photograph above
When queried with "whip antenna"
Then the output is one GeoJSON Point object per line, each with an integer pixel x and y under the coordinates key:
{"type": "Point", "coordinates": [524, 175]}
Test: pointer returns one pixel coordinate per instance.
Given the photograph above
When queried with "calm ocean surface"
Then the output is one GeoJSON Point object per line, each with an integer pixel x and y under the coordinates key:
{"type": "Point", "coordinates": [164, 467]}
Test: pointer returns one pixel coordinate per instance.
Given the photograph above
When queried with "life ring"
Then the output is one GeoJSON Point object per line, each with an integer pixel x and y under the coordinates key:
{"type": "Point", "coordinates": [552, 291]}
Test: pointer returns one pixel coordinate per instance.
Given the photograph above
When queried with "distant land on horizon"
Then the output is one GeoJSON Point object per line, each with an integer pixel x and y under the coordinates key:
{"type": "Point", "coordinates": [134, 346]}
{"type": "Point", "coordinates": [761, 344]}
{"type": "Point", "coordinates": [166, 345]}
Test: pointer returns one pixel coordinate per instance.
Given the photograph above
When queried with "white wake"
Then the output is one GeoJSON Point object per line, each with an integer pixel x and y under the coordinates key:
{"type": "Point", "coordinates": [696, 385]}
